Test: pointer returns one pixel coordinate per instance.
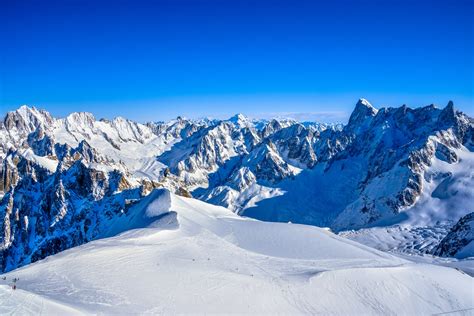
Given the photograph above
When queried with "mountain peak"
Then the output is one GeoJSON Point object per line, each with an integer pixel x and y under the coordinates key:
{"type": "Point", "coordinates": [450, 108]}
{"type": "Point", "coordinates": [27, 111]}
{"type": "Point", "coordinates": [364, 104]}
{"type": "Point", "coordinates": [27, 119]}
{"type": "Point", "coordinates": [238, 117]}
{"type": "Point", "coordinates": [240, 120]}
{"type": "Point", "coordinates": [83, 118]}
{"type": "Point", "coordinates": [26, 108]}
{"type": "Point", "coordinates": [362, 111]}
{"type": "Point", "coordinates": [448, 114]}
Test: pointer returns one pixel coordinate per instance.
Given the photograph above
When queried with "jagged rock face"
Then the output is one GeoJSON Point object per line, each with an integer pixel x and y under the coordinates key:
{"type": "Point", "coordinates": [14, 166]}
{"type": "Point", "coordinates": [8, 174]}
{"type": "Point", "coordinates": [46, 212]}
{"type": "Point", "coordinates": [217, 151]}
{"type": "Point", "coordinates": [460, 240]}
{"type": "Point", "coordinates": [270, 128]}
{"type": "Point", "coordinates": [179, 128]}
{"type": "Point", "coordinates": [41, 143]}
{"type": "Point", "coordinates": [201, 154]}
{"type": "Point", "coordinates": [267, 165]}
{"type": "Point", "coordinates": [295, 144]}
{"type": "Point", "coordinates": [242, 178]}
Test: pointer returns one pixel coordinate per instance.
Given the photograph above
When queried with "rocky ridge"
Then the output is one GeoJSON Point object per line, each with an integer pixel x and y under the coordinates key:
{"type": "Point", "coordinates": [62, 181]}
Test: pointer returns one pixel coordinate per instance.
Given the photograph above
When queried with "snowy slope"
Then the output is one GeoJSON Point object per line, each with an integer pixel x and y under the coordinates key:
{"type": "Point", "coordinates": [186, 256]}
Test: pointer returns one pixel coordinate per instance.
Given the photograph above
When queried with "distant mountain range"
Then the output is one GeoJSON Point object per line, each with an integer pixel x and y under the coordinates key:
{"type": "Point", "coordinates": [64, 182]}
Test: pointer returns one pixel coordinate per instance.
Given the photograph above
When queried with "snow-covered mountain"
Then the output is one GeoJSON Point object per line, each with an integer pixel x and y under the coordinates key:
{"type": "Point", "coordinates": [183, 256]}
{"type": "Point", "coordinates": [64, 181]}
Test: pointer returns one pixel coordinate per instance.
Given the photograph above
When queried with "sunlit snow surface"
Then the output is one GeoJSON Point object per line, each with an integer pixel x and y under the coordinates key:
{"type": "Point", "coordinates": [186, 256]}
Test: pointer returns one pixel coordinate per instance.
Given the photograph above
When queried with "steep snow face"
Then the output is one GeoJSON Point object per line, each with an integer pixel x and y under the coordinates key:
{"type": "Point", "coordinates": [186, 256]}
{"type": "Point", "coordinates": [459, 242]}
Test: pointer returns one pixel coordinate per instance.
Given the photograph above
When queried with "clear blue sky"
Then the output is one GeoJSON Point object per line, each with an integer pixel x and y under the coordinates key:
{"type": "Point", "coordinates": [152, 60]}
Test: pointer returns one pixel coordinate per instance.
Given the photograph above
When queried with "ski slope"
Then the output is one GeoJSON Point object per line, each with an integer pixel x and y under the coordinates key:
{"type": "Point", "coordinates": [180, 255]}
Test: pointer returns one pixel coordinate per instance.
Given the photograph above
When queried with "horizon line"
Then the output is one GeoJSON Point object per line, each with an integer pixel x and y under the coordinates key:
{"type": "Point", "coordinates": [301, 117]}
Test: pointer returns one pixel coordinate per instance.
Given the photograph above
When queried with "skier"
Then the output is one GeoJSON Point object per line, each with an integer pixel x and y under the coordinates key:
{"type": "Point", "coordinates": [14, 283]}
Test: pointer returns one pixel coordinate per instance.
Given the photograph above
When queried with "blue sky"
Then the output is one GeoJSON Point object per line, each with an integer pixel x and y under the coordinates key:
{"type": "Point", "coordinates": [154, 60]}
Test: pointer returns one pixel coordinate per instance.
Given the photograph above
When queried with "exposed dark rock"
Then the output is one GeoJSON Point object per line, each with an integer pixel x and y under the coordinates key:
{"type": "Point", "coordinates": [456, 243]}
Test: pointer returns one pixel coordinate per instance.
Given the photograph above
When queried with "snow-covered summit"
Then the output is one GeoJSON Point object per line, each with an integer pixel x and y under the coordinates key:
{"type": "Point", "coordinates": [361, 115]}
{"type": "Point", "coordinates": [367, 104]}
{"type": "Point", "coordinates": [242, 121]}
